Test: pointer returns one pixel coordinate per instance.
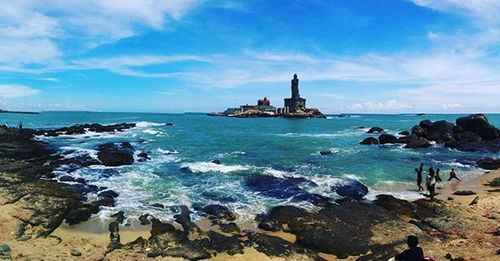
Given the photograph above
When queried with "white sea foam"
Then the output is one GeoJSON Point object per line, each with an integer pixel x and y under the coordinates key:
{"type": "Point", "coordinates": [147, 124]}
{"type": "Point", "coordinates": [152, 132]}
{"type": "Point", "coordinates": [78, 151]}
{"type": "Point", "coordinates": [167, 152]}
{"type": "Point", "coordinates": [203, 167]}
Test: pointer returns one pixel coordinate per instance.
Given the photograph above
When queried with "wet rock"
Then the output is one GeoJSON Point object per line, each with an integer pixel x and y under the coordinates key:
{"type": "Point", "coordinates": [464, 193]}
{"type": "Point", "coordinates": [417, 142]}
{"type": "Point", "coordinates": [402, 140]}
{"type": "Point", "coordinates": [325, 152]}
{"type": "Point", "coordinates": [351, 188]}
{"type": "Point", "coordinates": [119, 217]}
{"type": "Point", "coordinates": [219, 212]}
{"type": "Point", "coordinates": [478, 123]}
{"type": "Point", "coordinates": [387, 138]}
{"type": "Point", "coordinates": [404, 133]}
{"type": "Point", "coordinates": [216, 161]}
{"type": "Point", "coordinates": [67, 179]}
{"type": "Point", "coordinates": [80, 180]}
{"type": "Point", "coordinates": [116, 154]}
{"type": "Point", "coordinates": [230, 228]}
{"type": "Point", "coordinates": [375, 130]}
{"type": "Point", "coordinates": [489, 163]}
{"type": "Point", "coordinates": [169, 124]}
{"type": "Point", "coordinates": [79, 215]}
{"type": "Point", "coordinates": [269, 225]}
{"type": "Point", "coordinates": [143, 156]}
{"type": "Point", "coordinates": [221, 243]}
{"type": "Point", "coordinates": [114, 235]}
{"type": "Point", "coordinates": [369, 141]}
{"type": "Point", "coordinates": [219, 196]}
{"type": "Point", "coordinates": [282, 189]}
{"type": "Point", "coordinates": [144, 219]}
{"type": "Point", "coordinates": [108, 194]}
{"type": "Point", "coordinates": [79, 161]}
{"type": "Point", "coordinates": [157, 205]}
{"type": "Point", "coordinates": [440, 131]}
{"type": "Point", "coordinates": [75, 252]}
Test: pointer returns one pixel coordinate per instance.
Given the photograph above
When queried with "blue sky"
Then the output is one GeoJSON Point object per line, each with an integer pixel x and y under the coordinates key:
{"type": "Point", "coordinates": [375, 56]}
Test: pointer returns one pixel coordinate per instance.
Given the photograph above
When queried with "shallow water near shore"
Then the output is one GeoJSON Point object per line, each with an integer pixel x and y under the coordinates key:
{"type": "Point", "coordinates": [181, 172]}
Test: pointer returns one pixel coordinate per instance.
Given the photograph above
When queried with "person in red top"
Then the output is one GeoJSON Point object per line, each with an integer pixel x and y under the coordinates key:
{"type": "Point", "coordinates": [453, 175]}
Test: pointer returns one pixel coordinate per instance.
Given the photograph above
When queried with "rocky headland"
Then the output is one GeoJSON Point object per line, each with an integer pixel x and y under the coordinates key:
{"type": "Point", "coordinates": [38, 212]}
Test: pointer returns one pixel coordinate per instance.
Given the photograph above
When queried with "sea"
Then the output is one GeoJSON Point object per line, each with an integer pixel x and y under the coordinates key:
{"type": "Point", "coordinates": [181, 171]}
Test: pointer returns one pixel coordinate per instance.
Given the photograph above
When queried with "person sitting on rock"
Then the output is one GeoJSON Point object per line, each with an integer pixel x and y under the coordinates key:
{"type": "Point", "coordinates": [453, 175]}
{"type": "Point", "coordinates": [20, 125]}
{"type": "Point", "coordinates": [413, 253]}
{"type": "Point", "coordinates": [419, 179]}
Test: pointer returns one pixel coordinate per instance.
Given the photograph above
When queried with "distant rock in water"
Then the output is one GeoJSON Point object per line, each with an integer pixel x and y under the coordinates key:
{"type": "Point", "coordinates": [369, 141]}
{"type": "Point", "coordinates": [387, 138]}
{"type": "Point", "coordinates": [351, 188]}
{"type": "Point", "coordinates": [116, 154]}
{"type": "Point", "coordinates": [470, 133]}
{"type": "Point", "coordinates": [325, 152]}
{"type": "Point", "coordinates": [375, 130]}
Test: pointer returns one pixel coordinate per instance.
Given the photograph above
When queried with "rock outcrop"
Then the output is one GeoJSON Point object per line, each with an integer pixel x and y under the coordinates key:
{"type": "Point", "coordinates": [116, 154]}
{"type": "Point", "coordinates": [471, 133]}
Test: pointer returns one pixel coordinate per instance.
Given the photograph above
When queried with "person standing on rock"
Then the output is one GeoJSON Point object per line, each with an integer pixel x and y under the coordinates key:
{"type": "Point", "coordinates": [419, 179]}
{"type": "Point", "coordinates": [453, 175]}
{"type": "Point", "coordinates": [413, 253]}
{"type": "Point", "coordinates": [431, 183]}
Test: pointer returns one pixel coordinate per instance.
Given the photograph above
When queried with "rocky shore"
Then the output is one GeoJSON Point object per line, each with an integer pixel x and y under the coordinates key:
{"type": "Point", "coordinates": [39, 213]}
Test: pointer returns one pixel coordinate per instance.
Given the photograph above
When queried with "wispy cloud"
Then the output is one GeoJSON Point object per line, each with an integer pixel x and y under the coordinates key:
{"type": "Point", "coordinates": [14, 90]}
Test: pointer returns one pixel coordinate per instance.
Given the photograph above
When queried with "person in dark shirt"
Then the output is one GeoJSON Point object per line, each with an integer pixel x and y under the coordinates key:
{"type": "Point", "coordinates": [419, 179]}
{"type": "Point", "coordinates": [438, 178]}
{"type": "Point", "coordinates": [413, 253]}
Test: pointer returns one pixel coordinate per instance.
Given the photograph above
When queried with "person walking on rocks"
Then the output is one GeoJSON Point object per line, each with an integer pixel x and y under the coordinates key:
{"type": "Point", "coordinates": [419, 179]}
{"type": "Point", "coordinates": [453, 175]}
{"type": "Point", "coordinates": [431, 183]}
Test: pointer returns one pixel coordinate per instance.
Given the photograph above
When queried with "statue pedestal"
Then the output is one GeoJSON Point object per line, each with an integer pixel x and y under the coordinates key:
{"type": "Point", "coordinates": [295, 103]}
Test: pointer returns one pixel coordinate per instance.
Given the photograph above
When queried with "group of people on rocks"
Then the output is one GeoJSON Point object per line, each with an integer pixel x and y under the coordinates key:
{"type": "Point", "coordinates": [432, 178]}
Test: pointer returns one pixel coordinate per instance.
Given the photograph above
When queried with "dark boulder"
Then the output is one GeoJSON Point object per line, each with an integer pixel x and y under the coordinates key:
{"type": "Point", "coordinates": [415, 141]}
{"type": "Point", "coordinates": [440, 131]}
{"type": "Point", "coordinates": [375, 130]}
{"type": "Point", "coordinates": [116, 154]}
{"type": "Point", "coordinates": [216, 161]}
{"type": "Point", "coordinates": [143, 156]}
{"type": "Point", "coordinates": [219, 212]}
{"type": "Point", "coordinates": [402, 140]}
{"type": "Point", "coordinates": [404, 133]}
{"type": "Point", "coordinates": [351, 188]}
{"type": "Point", "coordinates": [418, 131]}
{"type": "Point", "coordinates": [387, 138]}
{"type": "Point", "coordinates": [369, 141]}
{"type": "Point", "coordinates": [489, 163]}
{"type": "Point", "coordinates": [108, 193]}
{"type": "Point", "coordinates": [221, 243]}
{"type": "Point", "coordinates": [79, 215]}
{"type": "Point", "coordinates": [169, 124]}
{"type": "Point", "coordinates": [282, 189]}
{"type": "Point", "coordinates": [425, 124]}
{"type": "Point", "coordinates": [67, 179]}
{"type": "Point", "coordinates": [479, 124]}
{"type": "Point", "coordinates": [325, 152]}
{"type": "Point", "coordinates": [157, 205]}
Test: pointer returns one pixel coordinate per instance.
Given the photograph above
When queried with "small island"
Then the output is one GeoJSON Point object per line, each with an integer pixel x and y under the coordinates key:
{"type": "Point", "coordinates": [18, 112]}
{"type": "Point", "coordinates": [294, 107]}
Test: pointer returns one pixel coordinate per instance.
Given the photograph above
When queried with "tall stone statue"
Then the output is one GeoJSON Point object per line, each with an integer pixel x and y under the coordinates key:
{"type": "Point", "coordinates": [295, 87]}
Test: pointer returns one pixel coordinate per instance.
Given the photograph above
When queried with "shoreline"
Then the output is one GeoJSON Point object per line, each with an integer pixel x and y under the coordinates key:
{"type": "Point", "coordinates": [34, 210]}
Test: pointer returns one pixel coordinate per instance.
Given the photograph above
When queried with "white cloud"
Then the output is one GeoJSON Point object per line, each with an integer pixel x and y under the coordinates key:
{"type": "Point", "coordinates": [14, 90]}
{"type": "Point", "coordinates": [31, 30]}
{"type": "Point", "coordinates": [49, 79]}
{"type": "Point", "coordinates": [388, 106]}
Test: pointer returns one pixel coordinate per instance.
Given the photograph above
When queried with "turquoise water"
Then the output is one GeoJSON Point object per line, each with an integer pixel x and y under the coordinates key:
{"type": "Point", "coordinates": [264, 146]}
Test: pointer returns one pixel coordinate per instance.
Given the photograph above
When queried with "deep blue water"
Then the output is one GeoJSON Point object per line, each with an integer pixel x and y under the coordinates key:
{"type": "Point", "coordinates": [264, 146]}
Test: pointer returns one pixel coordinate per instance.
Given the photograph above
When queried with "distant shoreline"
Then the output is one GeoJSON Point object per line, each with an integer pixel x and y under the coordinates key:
{"type": "Point", "coordinates": [19, 112]}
